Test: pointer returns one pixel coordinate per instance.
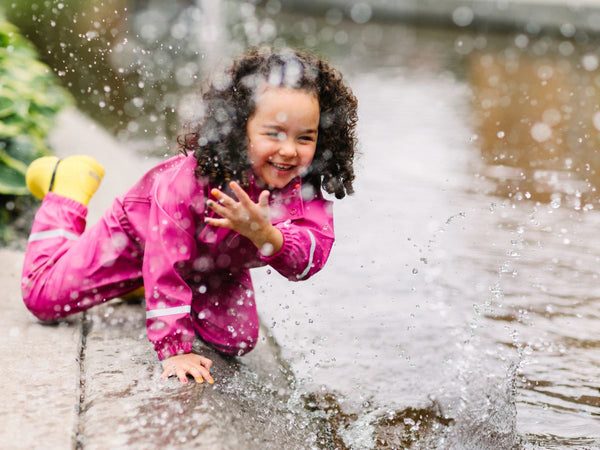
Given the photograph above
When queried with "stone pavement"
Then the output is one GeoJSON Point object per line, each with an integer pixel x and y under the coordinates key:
{"type": "Point", "coordinates": [93, 381]}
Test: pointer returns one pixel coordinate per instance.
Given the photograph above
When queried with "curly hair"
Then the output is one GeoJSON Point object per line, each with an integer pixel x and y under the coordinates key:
{"type": "Point", "coordinates": [218, 139]}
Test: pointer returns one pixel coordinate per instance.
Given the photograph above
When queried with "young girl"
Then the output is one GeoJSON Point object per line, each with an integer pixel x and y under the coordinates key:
{"type": "Point", "coordinates": [245, 192]}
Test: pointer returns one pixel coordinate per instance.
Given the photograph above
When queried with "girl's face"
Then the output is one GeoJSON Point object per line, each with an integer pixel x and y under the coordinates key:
{"type": "Point", "coordinates": [282, 134]}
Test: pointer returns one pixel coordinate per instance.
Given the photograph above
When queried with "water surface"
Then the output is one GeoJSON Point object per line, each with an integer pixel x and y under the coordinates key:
{"type": "Point", "coordinates": [464, 280]}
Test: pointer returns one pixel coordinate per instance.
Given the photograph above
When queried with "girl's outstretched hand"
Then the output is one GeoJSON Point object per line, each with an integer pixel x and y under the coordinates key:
{"type": "Point", "coordinates": [188, 363]}
{"type": "Point", "coordinates": [247, 218]}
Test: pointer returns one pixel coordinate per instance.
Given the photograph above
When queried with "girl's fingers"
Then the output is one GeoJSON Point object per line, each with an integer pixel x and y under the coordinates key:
{"type": "Point", "coordinates": [204, 368]}
{"type": "Point", "coordinates": [196, 374]}
{"type": "Point", "coordinates": [240, 194]}
{"type": "Point", "coordinates": [263, 198]}
{"type": "Point", "coordinates": [196, 365]}
{"type": "Point", "coordinates": [168, 370]}
{"type": "Point", "coordinates": [218, 208]}
{"type": "Point", "coordinates": [223, 223]}
{"type": "Point", "coordinates": [222, 197]}
{"type": "Point", "coordinates": [206, 374]}
{"type": "Point", "coordinates": [232, 212]}
{"type": "Point", "coordinates": [182, 375]}
{"type": "Point", "coordinates": [200, 374]}
{"type": "Point", "coordinates": [205, 362]}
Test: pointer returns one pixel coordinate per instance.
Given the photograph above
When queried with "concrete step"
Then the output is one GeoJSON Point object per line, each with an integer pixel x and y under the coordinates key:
{"type": "Point", "coordinates": [127, 405]}
{"type": "Point", "coordinates": [40, 370]}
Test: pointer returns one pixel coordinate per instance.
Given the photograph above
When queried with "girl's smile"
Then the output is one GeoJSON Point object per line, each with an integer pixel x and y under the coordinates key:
{"type": "Point", "coordinates": [282, 134]}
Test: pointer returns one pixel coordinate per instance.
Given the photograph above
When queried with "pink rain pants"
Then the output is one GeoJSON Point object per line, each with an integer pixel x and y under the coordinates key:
{"type": "Point", "coordinates": [68, 270]}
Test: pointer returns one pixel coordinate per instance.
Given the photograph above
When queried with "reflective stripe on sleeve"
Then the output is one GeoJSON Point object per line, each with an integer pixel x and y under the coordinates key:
{"type": "Point", "coordinates": [168, 311]}
{"type": "Point", "coordinates": [49, 234]}
{"type": "Point", "coordinates": [313, 244]}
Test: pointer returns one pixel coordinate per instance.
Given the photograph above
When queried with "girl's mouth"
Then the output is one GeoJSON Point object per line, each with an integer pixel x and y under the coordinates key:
{"type": "Point", "coordinates": [285, 167]}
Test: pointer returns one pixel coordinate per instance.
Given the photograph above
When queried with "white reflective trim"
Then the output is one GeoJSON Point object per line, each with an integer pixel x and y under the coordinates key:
{"type": "Point", "coordinates": [313, 244]}
{"type": "Point", "coordinates": [49, 234]}
{"type": "Point", "coordinates": [168, 311]}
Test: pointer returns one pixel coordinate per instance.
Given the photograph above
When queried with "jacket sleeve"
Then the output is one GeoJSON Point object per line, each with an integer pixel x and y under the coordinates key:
{"type": "Point", "coordinates": [307, 242]}
{"type": "Point", "coordinates": [170, 246]}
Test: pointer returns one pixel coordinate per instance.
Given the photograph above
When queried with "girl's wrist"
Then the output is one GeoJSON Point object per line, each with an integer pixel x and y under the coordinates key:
{"type": "Point", "coordinates": [269, 241]}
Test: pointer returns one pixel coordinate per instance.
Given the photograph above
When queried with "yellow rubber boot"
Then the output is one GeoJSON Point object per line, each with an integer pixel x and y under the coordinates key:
{"type": "Point", "coordinates": [39, 174]}
{"type": "Point", "coordinates": [76, 177]}
{"type": "Point", "coordinates": [135, 296]}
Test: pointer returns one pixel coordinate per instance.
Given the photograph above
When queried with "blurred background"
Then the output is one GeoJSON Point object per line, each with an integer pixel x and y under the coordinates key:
{"type": "Point", "coordinates": [460, 307]}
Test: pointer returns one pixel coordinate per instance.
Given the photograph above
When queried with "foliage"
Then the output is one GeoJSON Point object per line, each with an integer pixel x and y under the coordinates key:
{"type": "Point", "coordinates": [30, 97]}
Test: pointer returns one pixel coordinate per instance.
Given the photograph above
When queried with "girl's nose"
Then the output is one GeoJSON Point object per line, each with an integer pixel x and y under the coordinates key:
{"type": "Point", "coordinates": [288, 148]}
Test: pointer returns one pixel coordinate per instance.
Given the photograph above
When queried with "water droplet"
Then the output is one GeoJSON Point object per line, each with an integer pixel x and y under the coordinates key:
{"type": "Point", "coordinates": [589, 62]}
{"type": "Point", "coordinates": [568, 30]}
{"type": "Point", "coordinates": [463, 16]}
{"type": "Point", "coordinates": [521, 41]}
{"type": "Point", "coordinates": [541, 132]}
{"type": "Point", "coordinates": [361, 13]}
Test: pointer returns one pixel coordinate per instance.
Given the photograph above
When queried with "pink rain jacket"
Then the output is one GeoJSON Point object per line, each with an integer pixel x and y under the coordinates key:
{"type": "Point", "coordinates": [188, 264]}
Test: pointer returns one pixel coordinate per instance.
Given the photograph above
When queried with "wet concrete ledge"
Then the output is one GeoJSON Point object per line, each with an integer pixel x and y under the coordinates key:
{"type": "Point", "coordinates": [533, 16]}
{"type": "Point", "coordinates": [93, 381]}
{"type": "Point", "coordinates": [125, 404]}
{"type": "Point", "coordinates": [40, 370]}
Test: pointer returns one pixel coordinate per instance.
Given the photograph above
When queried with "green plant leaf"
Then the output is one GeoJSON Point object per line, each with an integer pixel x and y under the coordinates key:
{"type": "Point", "coordinates": [9, 130]}
{"type": "Point", "coordinates": [30, 98]}
{"type": "Point", "coordinates": [12, 181]}
{"type": "Point", "coordinates": [23, 150]}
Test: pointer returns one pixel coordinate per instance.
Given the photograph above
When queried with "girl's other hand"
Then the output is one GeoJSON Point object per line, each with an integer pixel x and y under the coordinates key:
{"type": "Point", "coordinates": [247, 218]}
{"type": "Point", "coordinates": [188, 363]}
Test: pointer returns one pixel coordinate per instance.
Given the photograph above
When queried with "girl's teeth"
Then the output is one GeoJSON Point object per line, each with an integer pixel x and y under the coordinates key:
{"type": "Point", "coordinates": [277, 166]}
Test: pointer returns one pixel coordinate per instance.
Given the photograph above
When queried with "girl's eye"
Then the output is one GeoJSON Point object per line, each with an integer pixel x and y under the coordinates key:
{"type": "Point", "coordinates": [279, 135]}
{"type": "Point", "coordinates": [306, 138]}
